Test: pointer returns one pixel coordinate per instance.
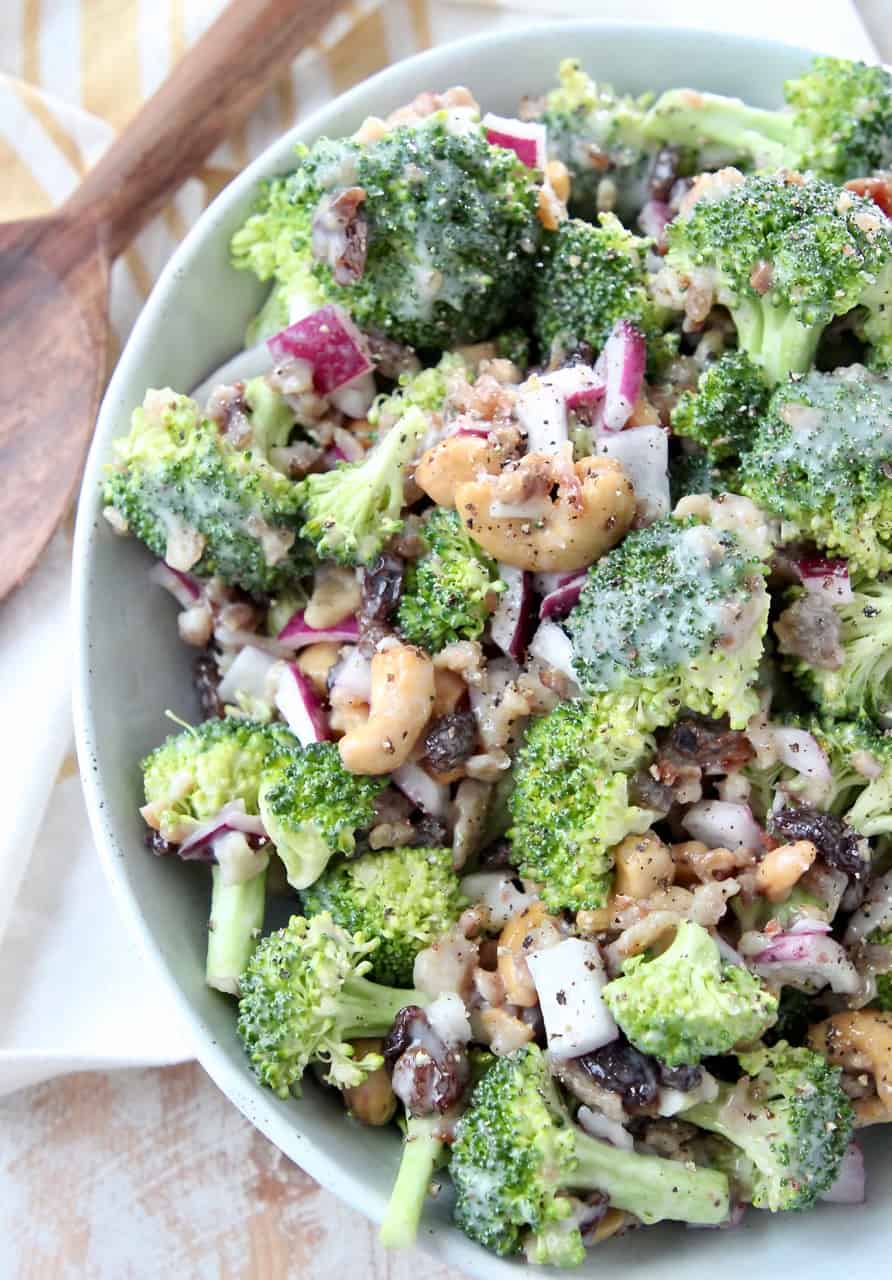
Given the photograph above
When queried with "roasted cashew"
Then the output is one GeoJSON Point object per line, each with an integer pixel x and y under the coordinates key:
{"type": "Point", "coordinates": [522, 934]}
{"type": "Point", "coordinates": [401, 703]}
{"type": "Point", "coordinates": [860, 1041]}
{"type": "Point", "coordinates": [643, 865]}
{"type": "Point", "coordinates": [455, 461]}
{"type": "Point", "coordinates": [373, 1102]}
{"type": "Point", "coordinates": [595, 505]}
{"type": "Point", "coordinates": [316, 660]}
{"type": "Point", "coordinates": [784, 867]}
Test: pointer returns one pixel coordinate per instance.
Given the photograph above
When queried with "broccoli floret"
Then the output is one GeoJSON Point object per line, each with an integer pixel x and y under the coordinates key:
{"type": "Point", "coordinates": [447, 592]}
{"type": "Point", "coordinates": [721, 415]}
{"type": "Point", "coordinates": [422, 1149]}
{"type": "Point", "coordinates": [687, 1004]}
{"type": "Point", "coordinates": [517, 1155]}
{"type": "Point", "coordinates": [450, 224]}
{"type": "Point", "coordinates": [839, 127]}
{"type": "Point", "coordinates": [592, 277]}
{"type": "Point", "coordinates": [304, 996]}
{"type": "Point", "coordinates": [694, 472]}
{"type": "Point", "coordinates": [785, 255]}
{"type": "Point", "coordinates": [598, 135]}
{"type": "Point", "coordinates": [819, 460]}
{"type": "Point", "coordinates": [861, 766]}
{"type": "Point", "coordinates": [425, 390]}
{"type": "Point", "coordinates": [404, 897]}
{"type": "Point", "coordinates": [790, 1119]}
{"type": "Point", "coordinates": [570, 804]}
{"type": "Point", "coordinates": [179, 483]}
{"type": "Point", "coordinates": [314, 808]}
{"type": "Point", "coordinates": [673, 617]}
{"type": "Point", "coordinates": [352, 511]}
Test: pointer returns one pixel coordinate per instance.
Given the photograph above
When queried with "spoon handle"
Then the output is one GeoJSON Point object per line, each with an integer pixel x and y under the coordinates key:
{"type": "Point", "coordinates": [212, 90]}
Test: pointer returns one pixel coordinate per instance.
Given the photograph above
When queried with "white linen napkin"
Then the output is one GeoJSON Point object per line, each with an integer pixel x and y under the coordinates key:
{"type": "Point", "coordinates": [74, 991]}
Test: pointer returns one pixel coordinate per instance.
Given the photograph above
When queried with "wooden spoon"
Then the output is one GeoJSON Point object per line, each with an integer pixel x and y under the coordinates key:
{"type": "Point", "coordinates": [54, 271]}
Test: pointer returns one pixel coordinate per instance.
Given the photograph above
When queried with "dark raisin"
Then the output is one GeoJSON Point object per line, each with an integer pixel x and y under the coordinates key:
{"type": "Point", "coordinates": [810, 629]}
{"type": "Point", "coordinates": [400, 1035]}
{"type": "Point", "coordinates": [451, 740]}
{"type": "Point", "coordinates": [836, 842]}
{"type": "Point", "coordinates": [646, 792]}
{"type": "Point", "coordinates": [663, 173]}
{"type": "Point", "coordinates": [382, 586]}
{"type": "Point", "coordinates": [427, 1074]}
{"type": "Point", "coordinates": [622, 1069]}
{"type": "Point", "coordinates": [496, 856]}
{"type": "Point", "coordinates": [158, 845]}
{"type": "Point", "coordinates": [682, 1078]}
{"type": "Point", "coordinates": [430, 831]}
{"type": "Point", "coordinates": [206, 678]}
{"type": "Point", "coordinates": [710, 744]}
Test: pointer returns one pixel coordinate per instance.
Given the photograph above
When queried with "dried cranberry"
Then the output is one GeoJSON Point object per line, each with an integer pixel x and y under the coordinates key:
{"type": "Point", "coordinates": [682, 1078]}
{"type": "Point", "coordinates": [206, 678]}
{"type": "Point", "coordinates": [836, 842]}
{"type": "Point", "coordinates": [622, 1069]}
{"type": "Point", "coordinates": [451, 740]}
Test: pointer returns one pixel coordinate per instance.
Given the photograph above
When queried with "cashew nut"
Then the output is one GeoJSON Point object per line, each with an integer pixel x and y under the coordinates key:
{"type": "Point", "coordinates": [783, 867]}
{"type": "Point", "coordinates": [501, 1030]}
{"type": "Point", "coordinates": [316, 660]}
{"type": "Point", "coordinates": [401, 703]}
{"type": "Point", "coordinates": [335, 596]}
{"type": "Point", "coordinates": [449, 689]}
{"type": "Point", "coordinates": [455, 461]}
{"type": "Point", "coordinates": [860, 1041]}
{"type": "Point", "coordinates": [694, 862]}
{"type": "Point", "coordinates": [373, 1102]}
{"type": "Point", "coordinates": [595, 505]}
{"type": "Point", "coordinates": [522, 934]}
{"type": "Point", "coordinates": [643, 865]}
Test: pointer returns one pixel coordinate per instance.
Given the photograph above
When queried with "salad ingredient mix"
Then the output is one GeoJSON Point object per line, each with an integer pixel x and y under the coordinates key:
{"type": "Point", "coordinates": [539, 583]}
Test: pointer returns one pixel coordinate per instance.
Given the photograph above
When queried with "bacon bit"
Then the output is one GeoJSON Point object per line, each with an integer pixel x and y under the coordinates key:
{"type": "Point", "coordinates": [877, 188]}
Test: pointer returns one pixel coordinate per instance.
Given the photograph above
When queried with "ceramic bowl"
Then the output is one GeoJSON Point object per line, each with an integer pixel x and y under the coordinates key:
{"type": "Point", "coordinates": [131, 665]}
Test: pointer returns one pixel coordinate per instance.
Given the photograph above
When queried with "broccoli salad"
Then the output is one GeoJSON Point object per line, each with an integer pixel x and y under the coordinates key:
{"type": "Point", "coordinates": [537, 558]}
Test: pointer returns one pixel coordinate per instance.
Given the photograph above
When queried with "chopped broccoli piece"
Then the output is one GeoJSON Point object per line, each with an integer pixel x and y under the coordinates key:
{"type": "Point", "coordinates": [790, 1119]}
{"type": "Point", "coordinates": [721, 415]}
{"type": "Point", "coordinates": [673, 617]}
{"type": "Point", "coordinates": [516, 1156]}
{"type": "Point", "coordinates": [687, 1004]}
{"type": "Point", "coordinates": [234, 926]}
{"type": "Point", "coordinates": [570, 804]}
{"type": "Point", "coordinates": [404, 897]}
{"type": "Point", "coordinates": [422, 1149]}
{"type": "Point", "coordinates": [450, 224]}
{"type": "Point", "coordinates": [447, 593]}
{"type": "Point", "coordinates": [694, 473]}
{"type": "Point", "coordinates": [178, 482]}
{"type": "Point", "coordinates": [591, 278]}
{"type": "Point", "coordinates": [352, 511]}
{"type": "Point", "coordinates": [425, 390]}
{"type": "Point", "coordinates": [819, 460]}
{"type": "Point", "coordinates": [823, 253]}
{"type": "Point", "coordinates": [839, 127]}
{"type": "Point", "coordinates": [304, 996]}
{"type": "Point", "coordinates": [314, 808]}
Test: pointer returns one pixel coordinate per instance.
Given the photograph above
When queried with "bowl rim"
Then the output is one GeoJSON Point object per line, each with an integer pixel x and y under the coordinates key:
{"type": "Point", "coordinates": [254, 1103]}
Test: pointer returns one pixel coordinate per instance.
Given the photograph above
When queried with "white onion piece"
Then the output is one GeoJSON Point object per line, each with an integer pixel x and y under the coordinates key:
{"type": "Point", "coordinates": [526, 138]}
{"type": "Point", "coordinates": [654, 217]}
{"type": "Point", "coordinates": [535, 508]}
{"type": "Point", "coordinates": [734, 787]}
{"type": "Point", "coordinates": [346, 446]}
{"type": "Point", "coordinates": [182, 586]}
{"type": "Point", "coordinates": [355, 399]}
{"type": "Point", "coordinates": [622, 365]}
{"type": "Point", "coordinates": [542, 413]}
{"type": "Point", "coordinates": [509, 624]}
{"type": "Point", "coordinates": [499, 893]}
{"type": "Point", "coordinates": [643, 453]}
{"type": "Point", "coordinates": [723, 824]}
{"type": "Point", "coordinates": [239, 368]}
{"type": "Point", "coordinates": [551, 645]}
{"type": "Point", "coordinates": [727, 952]}
{"type": "Point", "coordinates": [299, 706]}
{"type": "Point", "coordinates": [850, 1185]}
{"type": "Point", "coordinates": [601, 1126]}
{"type": "Point", "coordinates": [875, 911]}
{"type": "Point", "coordinates": [236, 859]}
{"type": "Point", "coordinates": [425, 792]}
{"type": "Point", "coordinates": [568, 979]}
{"type": "Point", "coordinates": [352, 675]}
{"type": "Point", "coordinates": [802, 751]}
{"type": "Point", "coordinates": [247, 675]}
{"type": "Point", "coordinates": [449, 1018]}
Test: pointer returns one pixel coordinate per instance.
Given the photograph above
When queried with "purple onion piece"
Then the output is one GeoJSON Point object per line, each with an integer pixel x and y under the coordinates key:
{"type": "Point", "coordinates": [296, 633]}
{"type": "Point", "coordinates": [330, 341]}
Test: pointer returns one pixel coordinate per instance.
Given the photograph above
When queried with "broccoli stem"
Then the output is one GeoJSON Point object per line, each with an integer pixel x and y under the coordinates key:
{"type": "Point", "coordinates": [774, 340]}
{"type": "Point", "coordinates": [421, 1151]}
{"type": "Point", "coordinates": [368, 1009]}
{"type": "Point", "coordinates": [690, 119]}
{"type": "Point", "coordinates": [652, 1188]}
{"type": "Point", "coordinates": [234, 927]}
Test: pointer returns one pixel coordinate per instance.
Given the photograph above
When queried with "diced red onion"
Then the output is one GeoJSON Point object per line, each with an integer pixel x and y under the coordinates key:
{"type": "Point", "coordinates": [825, 576]}
{"type": "Point", "coordinates": [551, 645]}
{"type": "Point", "coordinates": [237, 859]}
{"type": "Point", "coordinates": [809, 924]}
{"type": "Point", "coordinates": [509, 625]}
{"type": "Point", "coordinates": [182, 586]}
{"type": "Point", "coordinates": [875, 911]}
{"type": "Point", "coordinates": [296, 634]}
{"type": "Point", "coordinates": [621, 364]}
{"type": "Point", "coordinates": [300, 708]}
{"type": "Point", "coordinates": [542, 413]}
{"type": "Point", "coordinates": [231, 817]}
{"type": "Point", "coordinates": [247, 675]}
{"type": "Point", "coordinates": [346, 445]}
{"type": "Point", "coordinates": [721, 824]}
{"type": "Point", "coordinates": [545, 583]}
{"type": "Point", "coordinates": [526, 138]}
{"type": "Point", "coordinates": [601, 1126]}
{"type": "Point", "coordinates": [807, 960]}
{"type": "Point", "coordinates": [425, 792]}
{"type": "Point", "coordinates": [559, 602]}
{"type": "Point", "coordinates": [352, 675]}
{"type": "Point", "coordinates": [331, 342]}
{"type": "Point", "coordinates": [482, 432]}
{"type": "Point", "coordinates": [643, 453]}
{"type": "Point", "coordinates": [587, 397]}
{"type": "Point", "coordinates": [653, 219]}
{"type": "Point", "coordinates": [850, 1186]}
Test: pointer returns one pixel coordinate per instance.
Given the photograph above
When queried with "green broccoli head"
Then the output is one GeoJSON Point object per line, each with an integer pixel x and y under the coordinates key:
{"type": "Point", "coordinates": [860, 758]}
{"type": "Point", "coordinates": [448, 592]}
{"type": "Point", "coordinates": [570, 804]}
{"type": "Point", "coordinates": [304, 995]}
{"type": "Point", "coordinates": [687, 1004]}
{"type": "Point", "coordinates": [404, 897]}
{"type": "Point", "coordinates": [673, 617]}
{"type": "Point", "coordinates": [591, 278]}
{"type": "Point", "coordinates": [791, 1122]}
{"type": "Point", "coordinates": [695, 472]}
{"type": "Point", "coordinates": [352, 511]}
{"type": "Point", "coordinates": [598, 135]}
{"type": "Point", "coordinates": [450, 224]}
{"type": "Point", "coordinates": [722, 414]}
{"type": "Point", "coordinates": [785, 255]}
{"type": "Point", "coordinates": [182, 486]}
{"type": "Point", "coordinates": [516, 1156]}
{"type": "Point", "coordinates": [838, 123]}
{"type": "Point", "coordinates": [314, 808]}
{"type": "Point", "coordinates": [193, 774]}
{"type": "Point", "coordinates": [819, 459]}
